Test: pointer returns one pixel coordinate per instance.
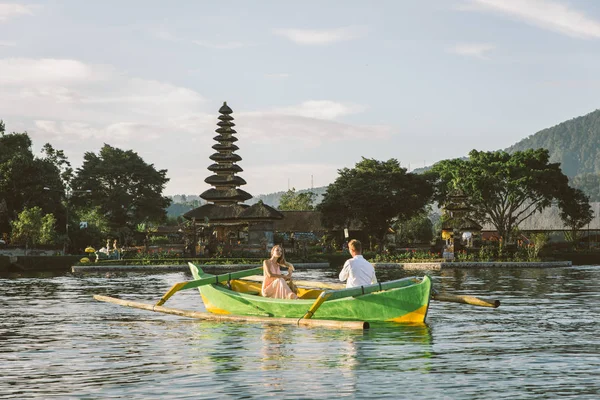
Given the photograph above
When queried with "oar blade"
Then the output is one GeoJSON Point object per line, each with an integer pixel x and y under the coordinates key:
{"type": "Point", "coordinates": [472, 300]}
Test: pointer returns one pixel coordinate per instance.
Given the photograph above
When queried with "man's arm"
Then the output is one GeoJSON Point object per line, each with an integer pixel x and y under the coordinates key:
{"type": "Point", "coordinates": [374, 278]}
{"type": "Point", "coordinates": [345, 273]}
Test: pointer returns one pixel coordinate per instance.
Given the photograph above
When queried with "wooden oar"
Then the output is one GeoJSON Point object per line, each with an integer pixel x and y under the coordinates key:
{"type": "Point", "coordinates": [472, 300]}
{"type": "Point", "coordinates": [207, 281]}
{"type": "Point", "coordinates": [356, 291]}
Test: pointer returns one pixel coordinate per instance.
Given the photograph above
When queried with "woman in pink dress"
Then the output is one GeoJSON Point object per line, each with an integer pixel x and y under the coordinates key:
{"type": "Point", "coordinates": [274, 285]}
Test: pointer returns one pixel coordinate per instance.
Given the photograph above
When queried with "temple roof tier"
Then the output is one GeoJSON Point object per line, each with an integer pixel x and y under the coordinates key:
{"type": "Point", "coordinates": [225, 130]}
{"type": "Point", "coordinates": [225, 168]}
{"type": "Point", "coordinates": [225, 180]}
{"type": "Point", "coordinates": [225, 157]}
{"type": "Point", "coordinates": [225, 147]}
{"type": "Point", "coordinates": [225, 124]}
{"type": "Point", "coordinates": [224, 139]}
{"type": "Point", "coordinates": [225, 109]}
{"type": "Point", "coordinates": [225, 195]}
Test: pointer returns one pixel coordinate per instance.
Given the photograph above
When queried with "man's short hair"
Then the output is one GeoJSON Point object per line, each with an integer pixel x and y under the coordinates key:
{"type": "Point", "coordinates": [355, 245]}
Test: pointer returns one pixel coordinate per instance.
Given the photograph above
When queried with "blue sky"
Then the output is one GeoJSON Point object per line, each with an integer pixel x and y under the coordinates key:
{"type": "Point", "coordinates": [314, 85]}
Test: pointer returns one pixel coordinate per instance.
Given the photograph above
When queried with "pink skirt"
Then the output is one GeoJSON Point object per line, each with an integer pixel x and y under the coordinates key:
{"type": "Point", "coordinates": [277, 289]}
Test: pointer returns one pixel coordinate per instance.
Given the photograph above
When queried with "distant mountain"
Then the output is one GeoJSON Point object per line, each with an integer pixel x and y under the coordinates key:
{"type": "Point", "coordinates": [182, 203]}
{"type": "Point", "coordinates": [575, 144]}
{"type": "Point", "coordinates": [272, 199]}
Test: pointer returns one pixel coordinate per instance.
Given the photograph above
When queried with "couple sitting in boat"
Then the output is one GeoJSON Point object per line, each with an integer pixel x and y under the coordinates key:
{"type": "Point", "coordinates": [356, 272]}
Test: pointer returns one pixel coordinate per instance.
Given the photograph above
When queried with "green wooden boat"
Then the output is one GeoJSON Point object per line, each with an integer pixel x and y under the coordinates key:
{"type": "Point", "coordinates": [403, 300]}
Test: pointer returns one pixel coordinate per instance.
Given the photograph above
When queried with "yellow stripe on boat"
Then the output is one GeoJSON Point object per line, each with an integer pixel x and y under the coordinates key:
{"type": "Point", "coordinates": [210, 308]}
{"type": "Point", "coordinates": [414, 316]}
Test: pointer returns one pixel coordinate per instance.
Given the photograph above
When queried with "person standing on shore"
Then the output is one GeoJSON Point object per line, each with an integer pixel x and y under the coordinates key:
{"type": "Point", "coordinates": [357, 271]}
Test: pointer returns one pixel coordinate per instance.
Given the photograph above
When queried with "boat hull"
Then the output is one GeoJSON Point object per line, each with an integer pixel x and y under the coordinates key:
{"type": "Point", "coordinates": [408, 304]}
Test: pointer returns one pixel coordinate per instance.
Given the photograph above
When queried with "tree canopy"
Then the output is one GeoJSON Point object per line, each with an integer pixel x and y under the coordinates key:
{"type": "Point", "coordinates": [418, 229]}
{"type": "Point", "coordinates": [127, 190]}
{"type": "Point", "coordinates": [24, 177]}
{"type": "Point", "coordinates": [292, 201]}
{"type": "Point", "coordinates": [33, 227]}
{"type": "Point", "coordinates": [375, 194]}
{"type": "Point", "coordinates": [575, 211]}
{"type": "Point", "coordinates": [503, 189]}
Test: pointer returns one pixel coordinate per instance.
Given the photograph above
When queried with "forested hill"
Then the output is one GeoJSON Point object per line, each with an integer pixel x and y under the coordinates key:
{"type": "Point", "coordinates": [272, 199]}
{"type": "Point", "coordinates": [574, 143]}
{"type": "Point", "coordinates": [184, 203]}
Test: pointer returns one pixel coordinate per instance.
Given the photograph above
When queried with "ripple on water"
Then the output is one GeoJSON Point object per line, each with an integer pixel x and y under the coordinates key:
{"type": "Point", "coordinates": [55, 340]}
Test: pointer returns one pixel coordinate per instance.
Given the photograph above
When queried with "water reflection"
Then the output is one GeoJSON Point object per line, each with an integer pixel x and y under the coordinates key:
{"type": "Point", "coordinates": [55, 341]}
{"type": "Point", "coordinates": [277, 343]}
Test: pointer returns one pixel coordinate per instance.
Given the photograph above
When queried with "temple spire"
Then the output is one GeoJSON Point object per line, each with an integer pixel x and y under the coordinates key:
{"type": "Point", "coordinates": [224, 181]}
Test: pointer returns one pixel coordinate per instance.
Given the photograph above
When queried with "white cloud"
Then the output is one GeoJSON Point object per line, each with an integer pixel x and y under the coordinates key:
{"type": "Point", "coordinates": [304, 132]}
{"type": "Point", "coordinates": [320, 109]}
{"type": "Point", "coordinates": [478, 50]}
{"type": "Point", "coordinates": [19, 71]}
{"type": "Point", "coordinates": [550, 15]}
{"type": "Point", "coordinates": [308, 124]}
{"type": "Point", "coordinates": [9, 10]}
{"type": "Point", "coordinates": [69, 98]}
{"type": "Point", "coordinates": [78, 107]}
{"type": "Point", "coordinates": [4, 43]}
{"type": "Point", "coordinates": [322, 36]}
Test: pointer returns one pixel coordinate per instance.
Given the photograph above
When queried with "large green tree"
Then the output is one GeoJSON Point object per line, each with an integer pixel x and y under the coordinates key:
{"type": "Point", "coordinates": [575, 212]}
{"type": "Point", "coordinates": [292, 201]}
{"type": "Point", "coordinates": [376, 194]}
{"type": "Point", "coordinates": [24, 176]}
{"type": "Point", "coordinates": [503, 189]}
{"type": "Point", "coordinates": [126, 189]}
{"type": "Point", "coordinates": [32, 227]}
{"type": "Point", "coordinates": [418, 229]}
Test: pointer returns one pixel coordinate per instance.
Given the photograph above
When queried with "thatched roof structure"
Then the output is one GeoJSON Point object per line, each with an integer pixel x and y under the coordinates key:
{"type": "Point", "coordinates": [299, 221]}
{"type": "Point", "coordinates": [260, 211]}
{"type": "Point", "coordinates": [243, 213]}
{"type": "Point", "coordinates": [216, 213]}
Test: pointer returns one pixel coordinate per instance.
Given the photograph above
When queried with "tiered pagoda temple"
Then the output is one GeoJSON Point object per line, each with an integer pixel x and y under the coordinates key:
{"type": "Point", "coordinates": [224, 180]}
{"type": "Point", "coordinates": [235, 223]}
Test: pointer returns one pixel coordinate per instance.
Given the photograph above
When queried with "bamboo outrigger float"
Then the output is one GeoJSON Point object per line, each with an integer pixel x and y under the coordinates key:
{"type": "Point", "coordinates": [229, 297]}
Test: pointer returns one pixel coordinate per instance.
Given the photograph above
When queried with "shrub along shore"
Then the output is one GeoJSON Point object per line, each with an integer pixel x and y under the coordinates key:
{"type": "Point", "coordinates": [17, 264]}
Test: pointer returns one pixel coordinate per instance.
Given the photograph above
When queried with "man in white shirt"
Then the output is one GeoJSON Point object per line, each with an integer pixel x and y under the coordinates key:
{"type": "Point", "coordinates": [357, 271]}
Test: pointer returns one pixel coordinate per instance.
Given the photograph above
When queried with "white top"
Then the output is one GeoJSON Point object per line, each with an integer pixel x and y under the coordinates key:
{"type": "Point", "coordinates": [358, 272]}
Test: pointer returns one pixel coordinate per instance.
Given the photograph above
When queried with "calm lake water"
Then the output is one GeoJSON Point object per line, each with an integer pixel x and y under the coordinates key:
{"type": "Point", "coordinates": [57, 342]}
